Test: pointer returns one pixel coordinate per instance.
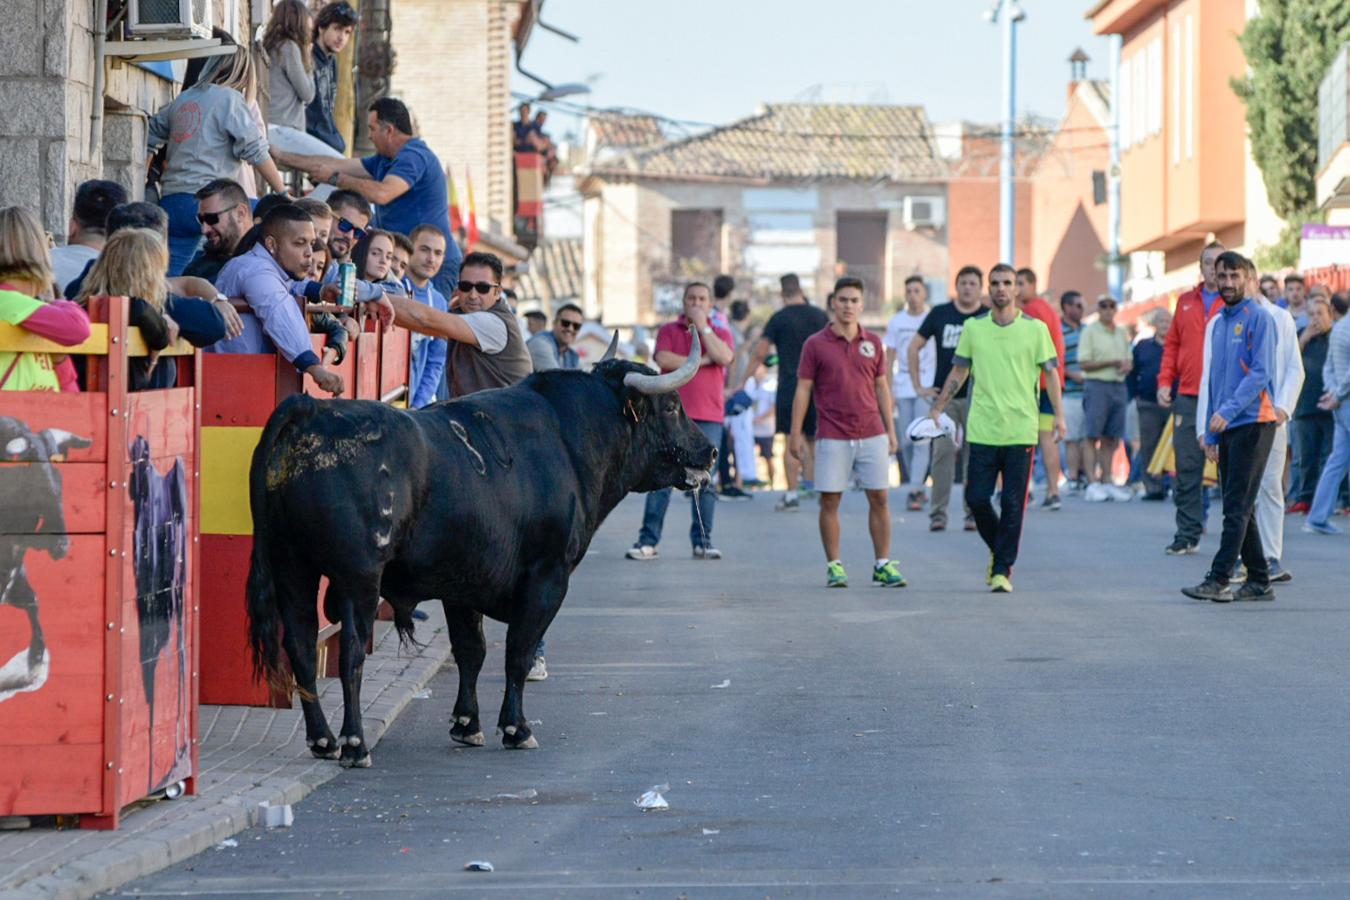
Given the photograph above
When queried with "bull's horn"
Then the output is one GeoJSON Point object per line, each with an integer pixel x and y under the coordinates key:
{"type": "Point", "coordinates": [613, 350]}
{"type": "Point", "coordinates": [671, 381]}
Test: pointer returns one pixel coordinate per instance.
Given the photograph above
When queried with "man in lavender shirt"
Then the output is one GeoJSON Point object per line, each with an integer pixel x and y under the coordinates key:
{"type": "Point", "coordinates": [268, 278]}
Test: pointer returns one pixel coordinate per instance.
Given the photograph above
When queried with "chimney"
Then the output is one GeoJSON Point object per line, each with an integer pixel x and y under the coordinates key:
{"type": "Point", "coordinates": [1077, 69]}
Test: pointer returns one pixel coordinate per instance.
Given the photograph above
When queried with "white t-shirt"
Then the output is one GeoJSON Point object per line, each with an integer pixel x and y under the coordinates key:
{"type": "Point", "coordinates": [900, 331]}
{"type": "Point", "coordinates": [764, 395]}
{"type": "Point", "coordinates": [489, 329]}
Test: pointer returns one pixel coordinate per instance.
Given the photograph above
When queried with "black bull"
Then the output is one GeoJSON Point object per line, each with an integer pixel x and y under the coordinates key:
{"type": "Point", "coordinates": [487, 503]}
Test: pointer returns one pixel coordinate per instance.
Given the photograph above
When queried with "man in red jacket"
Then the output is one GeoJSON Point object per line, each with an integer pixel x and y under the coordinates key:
{"type": "Point", "coordinates": [1033, 305]}
{"type": "Point", "coordinates": [1182, 364]}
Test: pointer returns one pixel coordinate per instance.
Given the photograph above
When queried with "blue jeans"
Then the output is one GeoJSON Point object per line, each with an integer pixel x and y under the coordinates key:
{"type": "Point", "coordinates": [1333, 473]}
{"type": "Point", "coordinates": [701, 505]}
{"type": "Point", "coordinates": [185, 233]}
{"type": "Point", "coordinates": [445, 280]}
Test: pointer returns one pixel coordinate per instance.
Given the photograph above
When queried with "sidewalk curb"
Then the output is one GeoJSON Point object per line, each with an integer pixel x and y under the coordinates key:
{"type": "Point", "coordinates": [229, 814]}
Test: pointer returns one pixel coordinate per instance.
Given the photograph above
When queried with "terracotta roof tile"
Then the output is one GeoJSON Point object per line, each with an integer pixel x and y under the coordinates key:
{"type": "Point", "coordinates": [803, 140]}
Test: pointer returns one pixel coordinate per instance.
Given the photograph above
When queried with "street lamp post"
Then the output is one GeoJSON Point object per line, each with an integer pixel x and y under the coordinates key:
{"type": "Point", "coordinates": [1007, 13]}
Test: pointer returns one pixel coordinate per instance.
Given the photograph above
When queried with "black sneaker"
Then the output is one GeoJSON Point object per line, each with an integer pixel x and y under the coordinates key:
{"type": "Point", "coordinates": [1051, 502]}
{"type": "Point", "coordinates": [1209, 589]}
{"type": "Point", "coordinates": [1251, 591]}
{"type": "Point", "coordinates": [1180, 548]}
{"type": "Point", "coordinates": [1278, 573]}
{"type": "Point", "coordinates": [731, 492]}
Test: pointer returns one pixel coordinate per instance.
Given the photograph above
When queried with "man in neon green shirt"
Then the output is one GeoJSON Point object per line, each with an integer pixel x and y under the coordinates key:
{"type": "Point", "coordinates": [1006, 351]}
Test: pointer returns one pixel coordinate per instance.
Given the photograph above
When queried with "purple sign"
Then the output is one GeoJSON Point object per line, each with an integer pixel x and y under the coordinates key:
{"type": "Point", "coordinates": [1313, 231]}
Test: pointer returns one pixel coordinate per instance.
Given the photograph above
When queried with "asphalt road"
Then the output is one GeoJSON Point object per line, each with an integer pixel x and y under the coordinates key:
{"type": "Point", "coordinates": [1094, 733]}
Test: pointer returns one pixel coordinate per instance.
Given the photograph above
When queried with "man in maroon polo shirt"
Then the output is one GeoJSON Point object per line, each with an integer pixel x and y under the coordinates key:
{"type": "Point", "coordinates": [844, 366]}
{"type": "Point", "coordinates": [702, 399]}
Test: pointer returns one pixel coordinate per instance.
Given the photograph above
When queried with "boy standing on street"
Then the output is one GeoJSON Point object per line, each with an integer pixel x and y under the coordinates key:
{"type": "Point", "coordinates": [1006, 351]}
{"type": "Point", "coordinates": [844, 366]}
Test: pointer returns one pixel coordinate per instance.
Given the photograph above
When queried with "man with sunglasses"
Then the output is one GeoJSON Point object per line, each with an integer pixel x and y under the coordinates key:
{"type": "Point", "coordinates": [403, 179]}
{"type": "Point", "coordinates": [553, 349]}
{"type": "Point", "coordinates": [351, 215]}
{"type": "Point", "coordinates": [486, 348]}
{"type": "Point", "coordinates": [224, 214]}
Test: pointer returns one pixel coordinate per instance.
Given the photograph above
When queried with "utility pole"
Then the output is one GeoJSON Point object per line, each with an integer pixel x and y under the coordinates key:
{"type": "Point", "coordinates": [1007, 13]}
{"type": "Point", "coordinates": [1115, 272]}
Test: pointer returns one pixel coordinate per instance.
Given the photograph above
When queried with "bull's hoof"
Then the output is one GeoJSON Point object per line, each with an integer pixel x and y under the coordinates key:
{"type": "Point", "coordinates": [466, 730]}
{"type": "Point", "coordinates": [324, 748]}
{"type": "Point", "coordinates": [355, 755]}
{"type": "Point", "coordinates": [514, 738]}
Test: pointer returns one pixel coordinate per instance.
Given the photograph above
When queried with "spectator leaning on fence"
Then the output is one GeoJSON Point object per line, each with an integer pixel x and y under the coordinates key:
{"type": "Point", "coordinates": [332, 30]}
{"type": "Point", "coordinates": [207, 130]}
{"type": "Point", "coordinates": [86, 234]}
{"type": "Point", "coordinates": [225, 216]}
{"type": "Point", "coordinates": [266, 278]}
{"type": "Point", "coordinates": [404, 180]}
{"type": "Point", "coordinates": [26, 276]}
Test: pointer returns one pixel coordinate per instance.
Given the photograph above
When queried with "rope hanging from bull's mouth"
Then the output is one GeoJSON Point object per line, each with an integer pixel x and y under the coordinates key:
{"type": "Point", "coordinates": [463, 434]}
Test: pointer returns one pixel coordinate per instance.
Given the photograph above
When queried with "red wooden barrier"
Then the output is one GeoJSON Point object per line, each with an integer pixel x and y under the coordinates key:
{"type": "Point", "coordinates": [238, 395]}
{"type": "Point", "coordinates": [99, 575]}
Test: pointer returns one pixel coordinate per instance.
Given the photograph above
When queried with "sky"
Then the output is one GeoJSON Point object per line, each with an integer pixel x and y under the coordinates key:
{"type": "Point", "coordinates": [715, 61]}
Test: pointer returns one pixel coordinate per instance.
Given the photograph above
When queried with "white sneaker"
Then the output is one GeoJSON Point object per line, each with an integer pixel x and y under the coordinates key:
{"type": "Point", "coordinates": [538, 671]}
{"type": "Point", "coordinates": [707, 553]}
{"type": "Point", "coordinates": [1096, 493]}
{"type": "Point", "coordinates": [642, 553]}
{"type": "Point", "coordinates": [1119, 493]}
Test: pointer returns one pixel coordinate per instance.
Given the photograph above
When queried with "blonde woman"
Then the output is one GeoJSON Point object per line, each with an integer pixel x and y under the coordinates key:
{"type": "Point", "coordinates": [25, 276]}
{"type": "Point", "coordinates": [132, 265]}
{"type": "Point", "coordinates": [206, 131]}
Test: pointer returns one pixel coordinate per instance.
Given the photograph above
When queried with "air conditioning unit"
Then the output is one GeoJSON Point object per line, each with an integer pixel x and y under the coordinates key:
{"type": "Point", "coordinates": [925, 212]}
{"type": "Point", "coordinates": [169, 19]}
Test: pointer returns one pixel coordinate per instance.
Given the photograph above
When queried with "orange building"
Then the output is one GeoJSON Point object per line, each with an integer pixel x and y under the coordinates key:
{"type": "Point", "coordinates": [1184, 180]}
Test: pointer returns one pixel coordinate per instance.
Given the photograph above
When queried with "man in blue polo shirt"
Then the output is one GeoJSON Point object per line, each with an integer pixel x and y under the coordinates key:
{"type": "Point", "coordinates": [404, 180]}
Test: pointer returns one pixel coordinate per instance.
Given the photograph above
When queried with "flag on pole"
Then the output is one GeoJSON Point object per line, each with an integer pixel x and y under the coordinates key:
{"type": "Point", "coordinates": [456, 220]}
{"type": "Point", "coordinates": [471, 238]}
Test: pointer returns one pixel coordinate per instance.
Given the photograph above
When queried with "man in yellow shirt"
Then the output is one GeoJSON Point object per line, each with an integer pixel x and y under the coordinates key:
{"type": "Point", "coordinates": [1104, 355]}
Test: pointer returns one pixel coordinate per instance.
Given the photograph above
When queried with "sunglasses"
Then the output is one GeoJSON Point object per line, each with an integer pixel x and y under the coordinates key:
{"type": "Point", "coordinates": [347, 227]}
{"type": "Point", "coordinates": [1107, 305]}
{"type": "Point", "coordinates": [482, 287]}
{"type": "Point", "coordinates": [212, 218]}
{"type": "Point", "coordinates": [570, 326]}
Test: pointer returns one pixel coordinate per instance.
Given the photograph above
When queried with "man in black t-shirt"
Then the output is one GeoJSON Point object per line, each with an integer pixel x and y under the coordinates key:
{"type": "Point", "coordinates": [787, 330]}
{"type": "Point", "coordinates": [944, 324]}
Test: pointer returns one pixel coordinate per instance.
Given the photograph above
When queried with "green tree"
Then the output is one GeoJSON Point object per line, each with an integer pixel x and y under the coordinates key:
{"type": "Point", "coordinates": [1289, 45]}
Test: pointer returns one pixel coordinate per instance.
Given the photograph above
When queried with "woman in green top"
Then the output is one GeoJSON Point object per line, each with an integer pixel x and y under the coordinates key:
{"type": "Point", "coordinates": [25, 276]}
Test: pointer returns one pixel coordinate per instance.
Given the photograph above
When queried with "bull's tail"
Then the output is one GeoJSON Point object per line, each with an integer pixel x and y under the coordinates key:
{"type": "Point", "coordinates": [264, 611]}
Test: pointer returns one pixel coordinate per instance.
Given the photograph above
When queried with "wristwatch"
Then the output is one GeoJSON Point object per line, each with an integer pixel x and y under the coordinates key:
{"type": "Point", "coordinates": [333, 179]}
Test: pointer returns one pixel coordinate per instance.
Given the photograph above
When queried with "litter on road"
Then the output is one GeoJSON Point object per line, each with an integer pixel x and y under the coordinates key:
{"type": "Point", "coordinates": [652, 799]}
{"type": "Point", "coordinates": [478, 865]}
{"type": "Point", "coordinates": [280, 816]}
{"type": "Point", "coordinates": [726, 683]}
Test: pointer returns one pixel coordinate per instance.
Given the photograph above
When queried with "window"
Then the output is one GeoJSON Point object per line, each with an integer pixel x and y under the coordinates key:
{"type": "Point", "coordinates": [1154, 60]}
{"type": "Point", "coordinates": [1189, 87]}
{"type": "Point", "coordinates": [1098, 187]}
{"type": "Point", "coordinates": [1139, 123]}
{"type": "Point", "coordinates": [1174, 122]}
{"type": "Point", "coordinates": [1123, 113]}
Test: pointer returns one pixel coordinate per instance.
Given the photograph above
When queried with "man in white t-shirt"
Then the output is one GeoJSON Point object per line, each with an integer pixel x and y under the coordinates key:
{"type": "Point", "coordinates": [909, 406]}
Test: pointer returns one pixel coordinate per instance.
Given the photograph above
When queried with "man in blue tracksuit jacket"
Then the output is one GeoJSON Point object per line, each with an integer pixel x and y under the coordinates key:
{"type": "Point", "coordinates": [1239, 371]}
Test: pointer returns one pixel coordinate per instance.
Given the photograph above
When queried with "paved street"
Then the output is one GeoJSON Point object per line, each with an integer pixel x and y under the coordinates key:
{"type": "Point", "coordinates": [1093, 733]}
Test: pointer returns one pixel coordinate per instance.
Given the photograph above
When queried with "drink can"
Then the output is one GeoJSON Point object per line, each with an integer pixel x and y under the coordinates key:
{"type": "Point", "coordinates": [347, 283]}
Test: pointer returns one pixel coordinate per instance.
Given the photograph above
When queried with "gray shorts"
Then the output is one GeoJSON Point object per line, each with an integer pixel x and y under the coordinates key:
{"type": "Point", "coordinates": [838, 463]}
{"type": "Point", "coordinates": [1073, 417]}
{"type": "Point", "coordinates": [1104, 405]}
